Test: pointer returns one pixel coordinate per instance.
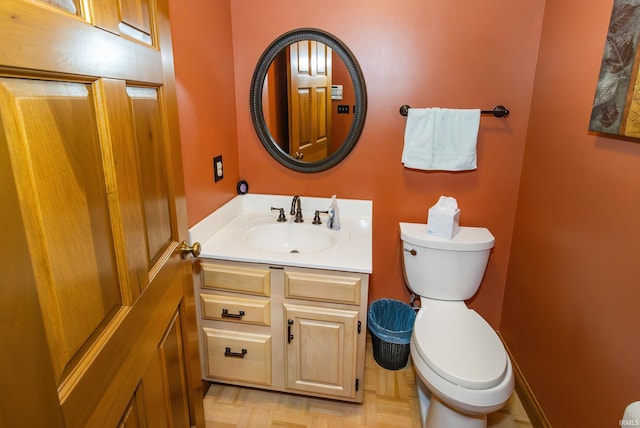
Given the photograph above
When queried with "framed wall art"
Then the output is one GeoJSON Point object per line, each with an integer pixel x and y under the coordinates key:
{"type": "Point", "coordinates": [616, 105]}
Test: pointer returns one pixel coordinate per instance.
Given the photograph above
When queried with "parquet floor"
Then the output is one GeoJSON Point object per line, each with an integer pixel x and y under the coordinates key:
{"type": "Point", "coordinates": [389, 401]}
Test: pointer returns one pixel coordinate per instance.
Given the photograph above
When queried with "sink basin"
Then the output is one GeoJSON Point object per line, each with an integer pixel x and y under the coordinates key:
{"type": "Point", "coordinates": [245, 229]}
{"type": "Point", "coordinates": [291, 237]}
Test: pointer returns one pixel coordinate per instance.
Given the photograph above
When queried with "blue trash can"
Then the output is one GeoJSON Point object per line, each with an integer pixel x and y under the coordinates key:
{"type": "Point", "coordinates": [391, 324]}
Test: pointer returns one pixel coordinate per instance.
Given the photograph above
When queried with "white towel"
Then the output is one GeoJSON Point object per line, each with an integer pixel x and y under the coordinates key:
{"type": "Point", "coordinates": [441, 139]}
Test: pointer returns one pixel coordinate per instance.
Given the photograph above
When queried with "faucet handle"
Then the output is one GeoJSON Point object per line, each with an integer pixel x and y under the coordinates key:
{"type": "Point", "coordinates": [281, 217]}
{"type": "Point", "coordinates": [316, 217]}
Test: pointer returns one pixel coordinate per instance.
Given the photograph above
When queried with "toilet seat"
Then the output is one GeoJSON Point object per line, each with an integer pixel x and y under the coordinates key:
{"type": "Point", "coordinates": [459, 345]}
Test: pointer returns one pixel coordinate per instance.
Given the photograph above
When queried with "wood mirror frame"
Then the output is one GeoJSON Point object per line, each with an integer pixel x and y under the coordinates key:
{"type": "Point", "coordinates": [256, 102]}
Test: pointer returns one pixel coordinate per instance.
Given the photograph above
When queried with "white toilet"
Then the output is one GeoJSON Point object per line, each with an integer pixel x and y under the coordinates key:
{"type": "Point", "coordinates": [463, 371]}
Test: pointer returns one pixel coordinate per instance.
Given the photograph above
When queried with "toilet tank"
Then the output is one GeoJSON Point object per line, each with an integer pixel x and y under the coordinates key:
{"type": "Point", "coordinates": [445, 269]}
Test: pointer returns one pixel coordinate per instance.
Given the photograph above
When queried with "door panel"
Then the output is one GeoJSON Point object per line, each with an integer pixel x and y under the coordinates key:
{"type": "Point", "coordinates": [135, 13]}
{"type": "Point", "coordinates": [159, 400]}
{"type": "Point", "coordinates": [63, 198]}
{"type": "Point", "coordinates": [92, 180]}
{"type": "Point", "coordinates": [133, 417]}
{"type": "Point", "coordinates": [163, 385]}
{"type": "Point", "coordinates": [172, 359]}
{"type": "Point", "coordinates": [70, 6]}
{"type": "Point", "coordinates": [145, 110]}
{"type": "Point", "coordinates": [126, 178]}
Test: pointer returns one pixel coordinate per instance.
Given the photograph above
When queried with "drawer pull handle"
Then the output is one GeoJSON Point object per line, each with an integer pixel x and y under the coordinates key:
{"type": "Point", "coordinates": [289, 335]}
{"type": "Point", "coordinates": [226, 314]}
{"type": "Point", "coordinates": [228, 353]}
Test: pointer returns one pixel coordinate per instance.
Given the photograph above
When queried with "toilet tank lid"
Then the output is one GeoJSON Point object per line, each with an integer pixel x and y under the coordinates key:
{"type": "Point", "coordinates": [467, 238]}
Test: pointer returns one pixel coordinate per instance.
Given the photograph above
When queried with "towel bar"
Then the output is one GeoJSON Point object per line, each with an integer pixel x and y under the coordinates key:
{"type": "Point", "coordinates": [498, 111]}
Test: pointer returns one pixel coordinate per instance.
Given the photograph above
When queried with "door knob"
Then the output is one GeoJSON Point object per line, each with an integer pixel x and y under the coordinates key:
{"type": "Point", "coordinates": [185, 249]}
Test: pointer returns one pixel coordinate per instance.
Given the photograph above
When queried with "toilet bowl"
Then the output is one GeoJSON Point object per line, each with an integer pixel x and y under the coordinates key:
{"type": "Point", "coordinates": [462, 362]}
{"type": "Point", "coordinates": [463, 371]}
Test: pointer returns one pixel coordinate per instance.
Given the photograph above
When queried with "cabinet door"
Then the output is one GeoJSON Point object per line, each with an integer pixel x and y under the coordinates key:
{"type": "Point", "coordinates": [321, 350]}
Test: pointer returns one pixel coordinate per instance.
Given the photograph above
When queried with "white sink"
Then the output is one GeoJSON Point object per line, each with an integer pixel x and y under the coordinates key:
{"type": "Point", "coordinates": [246, 229]}
{"type": "Point", "coordinates": [291, 237]}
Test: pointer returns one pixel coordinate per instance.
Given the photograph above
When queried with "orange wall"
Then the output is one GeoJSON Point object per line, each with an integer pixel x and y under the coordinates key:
{"type": "Point", "coordinates": [571, 312]}
{"type": "Point", "coordinates": [203, 54]}
{"type": "Point", "coordinates": [456, 54]}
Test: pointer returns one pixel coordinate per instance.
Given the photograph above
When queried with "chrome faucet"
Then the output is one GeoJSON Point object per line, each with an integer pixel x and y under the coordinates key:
{"type": "Point", "coordinates": [296, 209]}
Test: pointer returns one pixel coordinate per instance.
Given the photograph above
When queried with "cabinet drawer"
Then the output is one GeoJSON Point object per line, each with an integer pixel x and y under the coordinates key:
{"type": "Point", "coordinates": [321, 287]}
{"type": "Point", "coordinates": [243, 357]}
{"type": "Point", "coordinates": [236, 279]}
{"type": "Point", "coordinates": [227, 308]}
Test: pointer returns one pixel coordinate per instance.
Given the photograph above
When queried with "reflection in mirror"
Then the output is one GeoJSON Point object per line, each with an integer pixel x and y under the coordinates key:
{"type": "Point", "coordinates": [306, 119]}
{"type": "Point", "coordinates": [308, 100]}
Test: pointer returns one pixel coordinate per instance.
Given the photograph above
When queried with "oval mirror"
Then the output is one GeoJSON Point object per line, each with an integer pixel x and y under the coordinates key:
{"type": "Point", "coordinates": [308, 100]}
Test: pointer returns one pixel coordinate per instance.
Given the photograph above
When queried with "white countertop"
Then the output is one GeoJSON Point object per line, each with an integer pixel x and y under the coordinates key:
{"type": "Point", "coordinates": [222, 234]}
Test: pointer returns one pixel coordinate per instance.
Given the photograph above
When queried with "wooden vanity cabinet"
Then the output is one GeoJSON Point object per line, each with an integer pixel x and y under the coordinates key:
{"type": "Point", "coordinates": [281, 328]}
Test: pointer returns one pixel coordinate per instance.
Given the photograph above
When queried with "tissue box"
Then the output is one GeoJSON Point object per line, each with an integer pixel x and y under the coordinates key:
{"type": "Point", "coordinates": [443, 223]}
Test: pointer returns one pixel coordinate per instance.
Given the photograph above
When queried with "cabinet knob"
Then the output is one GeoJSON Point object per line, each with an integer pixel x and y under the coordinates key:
{"type": "Point", "coordinates": [185, 249]}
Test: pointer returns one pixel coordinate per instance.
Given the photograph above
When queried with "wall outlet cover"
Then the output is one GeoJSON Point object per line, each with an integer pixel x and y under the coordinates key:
{"type": "Point", "coordinates": [217, 168]}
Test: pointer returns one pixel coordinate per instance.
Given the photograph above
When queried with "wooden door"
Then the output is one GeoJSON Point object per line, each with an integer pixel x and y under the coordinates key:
{"type": "Point", "coordinates": [321, 354]}
{"type": "Point", "coordinates": [97, 323]}
{"type": "Point", "coordinates": [309, 100]}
